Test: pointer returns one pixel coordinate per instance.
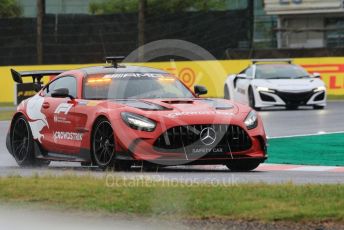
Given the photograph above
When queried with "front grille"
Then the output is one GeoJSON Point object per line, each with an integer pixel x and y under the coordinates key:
{"type": "Point", "coordinates": [295, 98]}
{"type": "Point", "coordinates": [230, 138]}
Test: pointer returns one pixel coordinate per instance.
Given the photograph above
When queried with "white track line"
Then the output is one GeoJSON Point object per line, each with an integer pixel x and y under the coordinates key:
{"type": "Point", "coordinates": [313, 168]}
{"type": "Point", "coordinates": [307, 135]}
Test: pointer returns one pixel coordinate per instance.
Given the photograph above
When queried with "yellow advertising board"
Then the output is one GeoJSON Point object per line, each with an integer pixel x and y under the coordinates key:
{"type": "Point", "coordinates": [212, 74]}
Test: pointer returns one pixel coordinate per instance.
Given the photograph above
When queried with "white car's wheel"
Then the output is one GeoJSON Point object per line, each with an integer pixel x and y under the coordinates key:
{"type": "Point", "coordinates": [319, 107]}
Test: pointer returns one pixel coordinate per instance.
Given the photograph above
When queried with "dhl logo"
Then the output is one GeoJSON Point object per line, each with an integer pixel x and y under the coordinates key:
{"type": "Point", "coordinates": [332, 74]}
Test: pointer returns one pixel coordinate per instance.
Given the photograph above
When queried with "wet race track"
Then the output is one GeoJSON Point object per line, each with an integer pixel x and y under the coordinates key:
{"type": "Point", "coordinates": [278, 123]}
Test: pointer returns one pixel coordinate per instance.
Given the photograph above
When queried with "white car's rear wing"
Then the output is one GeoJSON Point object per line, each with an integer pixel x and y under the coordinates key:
{"type": "Point", "coordinates": [289, 61]}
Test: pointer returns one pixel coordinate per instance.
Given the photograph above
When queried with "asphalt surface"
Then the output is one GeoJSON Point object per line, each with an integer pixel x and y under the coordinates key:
{"type": "Point", "coordinates": [278, 122]}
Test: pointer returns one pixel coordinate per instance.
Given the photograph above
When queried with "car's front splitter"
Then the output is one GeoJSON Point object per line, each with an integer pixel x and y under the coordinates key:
{"type": "Point", "coordinates": [143, 150]}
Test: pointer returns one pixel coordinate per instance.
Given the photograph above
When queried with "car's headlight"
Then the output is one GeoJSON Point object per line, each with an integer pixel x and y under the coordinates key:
{"type": "Point", "coordinates": [264, 89]}
{"type": "Point", "coordinates": [320, 88]}
{"type": "Point", "coordinates": [251, 121]}
{"type": "Point", "coordinates": [138, 122]}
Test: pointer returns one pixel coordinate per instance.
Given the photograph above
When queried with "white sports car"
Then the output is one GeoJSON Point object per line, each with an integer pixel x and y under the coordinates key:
{"type": "Point", "coordinates": [278, 82]}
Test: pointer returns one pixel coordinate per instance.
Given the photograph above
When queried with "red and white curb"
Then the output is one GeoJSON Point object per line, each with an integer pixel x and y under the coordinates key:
{"type": "Point", "coordinates": [273, 167]}
{"type": "Point", "coordinates": [303, 168]}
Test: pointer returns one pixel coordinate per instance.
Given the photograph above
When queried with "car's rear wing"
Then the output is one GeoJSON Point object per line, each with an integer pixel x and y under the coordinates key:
{"type": "Point", "coordinates": [36, 75]}
{"type": "Point", "coordinates": [27, 90]}
{"type": "Point", "coordinates": [289, 61]}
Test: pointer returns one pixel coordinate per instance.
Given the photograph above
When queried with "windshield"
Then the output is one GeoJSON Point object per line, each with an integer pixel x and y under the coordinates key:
{"type": "Point", "coordinates": [134, 86]}
{"type": "Point", "coordinates": [280, 72]}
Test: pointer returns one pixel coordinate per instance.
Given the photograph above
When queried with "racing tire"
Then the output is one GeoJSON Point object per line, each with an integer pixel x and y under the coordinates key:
{"type": "Point", "coordinates": [103, 147]}
{"type": "Point", "coordinates": [226, 93]}
{"type": "Point", "coordinates": [22, 144]}
{"type": "Point", "coordinates": [318, 107]}
{"type": "Point", "coordinates": [103, 144]}
{"type": "Point", "coordinates": [251, 100]}
{"type": "Point", "coordinates": [243, 165]}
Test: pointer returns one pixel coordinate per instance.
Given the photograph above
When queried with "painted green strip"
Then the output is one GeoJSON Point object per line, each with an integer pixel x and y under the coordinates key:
{"type": "Point", "coordinates": [326, 150]}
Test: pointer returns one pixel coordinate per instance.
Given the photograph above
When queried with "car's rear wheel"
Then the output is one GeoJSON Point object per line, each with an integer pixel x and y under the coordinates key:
{"type": "Point", "coordinates": [23, 144]}
{"type": "Point", "coordinates": [243, 165]}
{"type": "Point", "coordinates": [226, 93]}
{"type": "Point", "coordinates": [103, 147]}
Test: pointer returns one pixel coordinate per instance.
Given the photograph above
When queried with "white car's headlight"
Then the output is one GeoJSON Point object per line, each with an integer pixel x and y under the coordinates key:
{"type": "Point", "coordinates": [251, 121]}
{"type": "Point", "coordinates": [319, 89]}
{"type": "Point", "coordinates": [138, 122]}
{"type": "Point", "coordinates": [264, 89]}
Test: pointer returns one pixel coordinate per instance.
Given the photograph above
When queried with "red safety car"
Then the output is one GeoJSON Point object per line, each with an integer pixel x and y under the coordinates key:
{"type": "Point", "coordinates": [117, 116]}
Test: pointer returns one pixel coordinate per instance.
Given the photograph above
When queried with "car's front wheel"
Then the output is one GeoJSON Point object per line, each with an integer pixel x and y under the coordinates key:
{"type": "Point", "coordinates": [318, 107]}
{"type": "Point", "coordinates": [243, 165]}
{"type": "Point", "coordinates": [103, 144]}
{"type": "Point", "coordinates": [103, 147]}
{"type": "Point", "coordinates": [23, 144]}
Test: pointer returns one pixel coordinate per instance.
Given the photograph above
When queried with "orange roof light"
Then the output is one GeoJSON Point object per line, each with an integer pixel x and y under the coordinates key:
{"type": "Point", "coordinates": [166, 79]}
{"type": "Point", "coordinates": [99, 81]}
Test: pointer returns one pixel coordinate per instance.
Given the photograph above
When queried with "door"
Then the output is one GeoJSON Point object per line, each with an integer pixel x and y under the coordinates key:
{"type": "Point", "coordinates": [61, 135]}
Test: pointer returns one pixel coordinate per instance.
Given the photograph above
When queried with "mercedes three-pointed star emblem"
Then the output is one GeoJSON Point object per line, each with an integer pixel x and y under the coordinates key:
{"type": "Point", "coordinates": [208, 136]}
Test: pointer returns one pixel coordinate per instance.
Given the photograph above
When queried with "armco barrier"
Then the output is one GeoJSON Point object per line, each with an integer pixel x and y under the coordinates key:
{"type": "Point", "coordinates": [192, 72]}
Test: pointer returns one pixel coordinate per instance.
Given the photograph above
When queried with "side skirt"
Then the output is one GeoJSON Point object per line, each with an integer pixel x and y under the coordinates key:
{"type": "Point", "coordinates": [83, 156]}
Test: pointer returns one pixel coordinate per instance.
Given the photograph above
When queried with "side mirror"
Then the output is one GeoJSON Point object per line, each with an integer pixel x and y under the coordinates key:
{"type": "Point", "coordinates": [316, 75]}
{"type": "Point", "coordinates": [61, 93]}
{"type": "Point", "coordinates": [200, 90]}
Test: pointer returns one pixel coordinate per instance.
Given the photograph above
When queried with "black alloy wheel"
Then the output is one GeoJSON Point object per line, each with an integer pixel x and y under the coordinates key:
{"type": "Point", "coordinates": [23, 144]}
{"type": "Point", "coordinates": [103, 144]}
{"type": "Point", "coordinates": [21, 147]}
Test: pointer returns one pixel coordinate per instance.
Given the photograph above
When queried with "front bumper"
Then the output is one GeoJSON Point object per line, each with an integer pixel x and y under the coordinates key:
{"type": "Point", "coordinates": [137, 146]}
{"type": "Point", "coordinates": [285, 98]}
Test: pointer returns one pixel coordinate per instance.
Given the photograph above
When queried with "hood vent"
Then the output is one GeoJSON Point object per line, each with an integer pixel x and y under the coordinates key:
{"type": "Point", "coordinates": [140, 104]}
{"type": "Point", "coordinates": [172, 102]}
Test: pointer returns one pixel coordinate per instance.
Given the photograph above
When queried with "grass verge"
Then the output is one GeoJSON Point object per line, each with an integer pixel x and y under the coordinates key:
{"type": "Point", "coordinates": [238, 201]}
{"type": "Point", "coordinates": [335, 97]}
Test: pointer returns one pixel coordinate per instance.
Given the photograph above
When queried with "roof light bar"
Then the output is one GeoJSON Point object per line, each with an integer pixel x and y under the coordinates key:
{"type": "Point", "coordinates": [114, 60]}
